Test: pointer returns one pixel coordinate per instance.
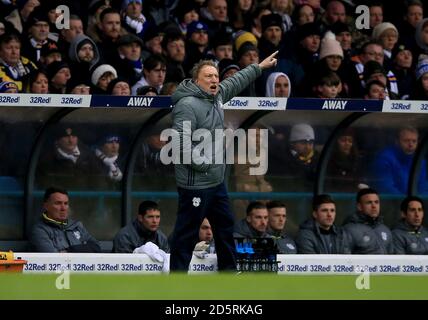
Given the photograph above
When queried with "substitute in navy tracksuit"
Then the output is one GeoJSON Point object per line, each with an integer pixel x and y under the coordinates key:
{"type": "Point", "coordinates": [201, 189]}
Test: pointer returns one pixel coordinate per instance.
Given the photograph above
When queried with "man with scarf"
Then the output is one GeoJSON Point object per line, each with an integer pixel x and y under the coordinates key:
{"type": "Point", "coordinates": [144, 229]}
{"type": "Point", "coordinates": [13, 66]}
{"type": "Point", "coordinates": [70, 163]}
{"type": "Point", "coordinates": [108, 153]}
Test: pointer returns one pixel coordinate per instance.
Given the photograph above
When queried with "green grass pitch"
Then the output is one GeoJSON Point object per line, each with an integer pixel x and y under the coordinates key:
{"type": "Point", "coordinates": [212, 287]}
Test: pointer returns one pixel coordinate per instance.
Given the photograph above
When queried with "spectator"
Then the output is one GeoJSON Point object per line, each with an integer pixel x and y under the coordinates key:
{"type": "Point", "coordinates": [107, 152]}
{"type": "Point", "coordinates": [147, 91]}
{"type": "Point", "coordinates": [278, 85]}
{"type": "Point", "coordinates": [386, 34]}
{"type": "Point", "coordinates": [391, 168]}
{"type": "Point", "coordinates": [196, 44]}
{"type": "Point", "coordinates": [145, 228]}
{"type": "Point", "coordinates": [301, 159]}
{"type": "Point", "coordinates": [77, 86]}
{"type": "Point", "coordinates": [68, 162]}
{"type": "Point", "coordinates": [134, 21]}
{"type": "Point", "coordinates": [402, 61]}
{"type": "Point", "coordinates": [49, 54]}
{"type": "Point", "coordinates": [255, 224]}
{"type": "Point", "coordinates": [327, 85]}
{"type": "Point", "coordinates": [59, 74]}
{"type": "Point", "coordinates": [276, 227]}
{"type": "Point", "coordinates": [375, 71]}
{"type": "Point", "coordinates": [67, 35]}
{"type": "Point", "coordinates": [8, 87]}
{"type": "Point", "coordinates": [227, 68]}
{"type": "Point", "coordinates": [248, 54]}
{"type": "Point", "coordinates": [37, 26]}
{"type": "Point", "coordinates": [152, 42]}
{"type": "Point", "coordinates": [421, 40]}
{"type": "Point", "coordinates": [215, 16]}
{"type": "Point", "coordinates": [420, 91]}
{"type": "Point", "coordinates": [240, 14]}
{"type": "Point", "coordinates": [39, 82]}
{"type": "Point", "coordinates": [154, 73]}
{"type": "Point", "coordinates": [410, 236]}
{"type": "Point", "coordinates": [19, 16]}
{"type": "Point", "coordinates": [185, 12]}
{"type": "Point", "coordinates": [13, 66]}
{"type": "Point", "coordinates": [83, 55]}
{"type": "Point", "coordinates": [173, 45]}
{"type": "Point", "coordinates": [303, 14]}
{"type": "Point", "coordinates": [376, 14]}
{"type": "Point", "coordinates": [345, 167]}
{"type": "Point", "coordinates": [272, 34]}
{"type": "Point", "coordinates": [375, 89]}
{"type": "Point", "coordinates": [118, 87]}
{"type": "Point", "coordinates": [222, 47]}
{"type": "Point", "coordinates": [319, 234]}
{"type": "Point", "coordinates": [366, 229]}
{"type": "Point", "coordinates": [101, 76]}
{"type": "Point", "coordinates": [128, 58]}
{"type": "Point", "coordinates": [284, 9]}
{"type": "Point", "coordinates": [168, 89]}
{"type": "Point", "coordinates": [256, 28]}
{"type": "Point", "coordinates": [414, 14]}
{"type": "Point", "coordinates": [308, 39]}
{"type": "Point", "coordinates": [56, 232]}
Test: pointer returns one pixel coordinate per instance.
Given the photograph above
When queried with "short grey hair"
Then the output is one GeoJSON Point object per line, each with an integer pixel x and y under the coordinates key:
{"type": "Point", "coordinates": [198, 67]}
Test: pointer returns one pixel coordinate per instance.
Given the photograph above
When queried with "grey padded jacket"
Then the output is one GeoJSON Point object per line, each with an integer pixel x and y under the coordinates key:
{"type": "Point", "coordinates": [204, 111]}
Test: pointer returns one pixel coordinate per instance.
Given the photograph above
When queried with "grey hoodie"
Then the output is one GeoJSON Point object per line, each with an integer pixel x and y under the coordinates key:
{"type": "Point", "coordinates": [407, 240]}
{"type": "Point", "coordinates": [73, 52]}
{"type": "Point", "coordinates": [204, 111]}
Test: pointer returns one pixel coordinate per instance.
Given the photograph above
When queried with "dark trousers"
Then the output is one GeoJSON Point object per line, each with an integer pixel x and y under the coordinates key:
{"type": "Point", "coordinates": [193, 207]}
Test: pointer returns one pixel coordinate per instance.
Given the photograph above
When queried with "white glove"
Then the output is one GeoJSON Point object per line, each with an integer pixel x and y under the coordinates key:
{"type": "Point", "coordinates": [201, 246]}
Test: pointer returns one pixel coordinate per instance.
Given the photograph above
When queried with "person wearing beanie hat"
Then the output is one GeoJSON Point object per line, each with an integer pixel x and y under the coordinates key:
{"type": "Point", "coordinates": [330, 47]}
{"type": "Point", "coordinates": [344, 36]}
{"type": "Point", "coordinates": [222, 46]}
{"type": "Point", "coordinates": [185, 12]}
{"type": "Point", "coordinates": [147, 91]}
{"type": "Point", "coordinates": [227, 68]}
{"type": "Point", "coordinates": [118, 87]}
{"type": "Point", "coordinates": [301, 158]}
{"type": "Point", "coordinates": [278, 84]}
{"type": "Point", "coordinates": [50, 54]}
{"type": "Point", "coordinates": [402, 60]}
{"type": "Point", "coordinates": [196, 45]}
{"type": "Point", "coordinates": [247, 54]}
{"type": "Point", "coordinates": [420, 91]}
{"type": "Point", "coordinates": [374, 68]}
{"type": "Point", "coordinates": [101, 77]}
{"type": "Point", "coordinates": [242, 37]}
{"type": "Point", "coordinates": [58, 74]}
{"type": "Point", "coordinates": [38, 29]}
{"type": "Point", "coordinates": [107, 152]}
{"type": "Point", "coordinates": [8, 87]}
{"type": "Point", "coordinates": [386, 34]}
{"type": "Point", "coordinates": [135, 22]}
{"type": "Point", "coordinates": [272, 33]}
{"type": "Point", "coordinates": [308, 44]}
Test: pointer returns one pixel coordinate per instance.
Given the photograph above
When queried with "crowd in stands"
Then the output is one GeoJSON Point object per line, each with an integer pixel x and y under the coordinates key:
{"type": "Point", "coordinates": [124, 47]}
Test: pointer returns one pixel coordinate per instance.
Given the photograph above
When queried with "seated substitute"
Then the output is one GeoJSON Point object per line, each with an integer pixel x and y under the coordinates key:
{"type": "Point", "coordinates": [145, 228]}
{"type": "Point", "coordinates": [55, 232]}
{"type": "Point", "coordinates": [410, 236]}
{"type": "Point", "coordinates": [319, 234]}
{"type": "Point", "coordinates": [255, 224]}
{"type": "Point", "coordinates": [276, 227]}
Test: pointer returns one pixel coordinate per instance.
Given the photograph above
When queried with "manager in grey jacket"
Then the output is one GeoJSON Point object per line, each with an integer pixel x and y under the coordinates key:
{"type": "Point", "coordinates": [410, 236]}
{"type": "Point", "coordinates": [55, 232]}
{"type": "Point", "coordinates": [319, 235]}
{"type": "Point", "coordinates": [145, 228]}
{"type": "Point", "coordinates": [200, 181]}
